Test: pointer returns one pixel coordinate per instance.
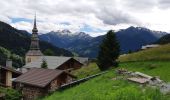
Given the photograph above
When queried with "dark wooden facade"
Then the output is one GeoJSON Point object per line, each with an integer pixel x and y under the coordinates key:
{"type": "Point", "coordinates": [71, 64]}
{"type": "Point", "coordinates": [2, 77]}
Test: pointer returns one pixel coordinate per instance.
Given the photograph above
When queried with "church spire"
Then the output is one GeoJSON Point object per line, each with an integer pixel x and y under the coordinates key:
{"type": "Point", "coordinates": [35, 26]}
{"type": "Point", "coordinates": [34, 38]}
{"type": "Point", "coordinates": [34, 51]}
{"type": "Point", "coordinates": [34, 30]}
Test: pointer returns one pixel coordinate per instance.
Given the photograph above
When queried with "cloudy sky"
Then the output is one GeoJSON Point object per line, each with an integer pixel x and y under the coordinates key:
{"type": "Point", "coordinates": [94, 17]}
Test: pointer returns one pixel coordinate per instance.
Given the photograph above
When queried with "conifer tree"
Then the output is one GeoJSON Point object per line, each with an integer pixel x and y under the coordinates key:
{"type": "Point", "coordinates": [109, 51]}
{"type": "Point", "coordinates": [44, 64]}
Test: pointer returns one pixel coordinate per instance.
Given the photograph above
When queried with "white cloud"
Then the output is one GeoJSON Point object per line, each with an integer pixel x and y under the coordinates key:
{"type": "Point", "coordinates": [5, 19]}
{"type": "Point", "coordinates": [97, 14]}
{"type": "Point", "coordinates": [23, 25]}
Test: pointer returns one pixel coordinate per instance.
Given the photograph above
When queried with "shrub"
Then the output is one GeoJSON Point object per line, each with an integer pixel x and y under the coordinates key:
{"type": "Point", "coordinates": [10, 94]}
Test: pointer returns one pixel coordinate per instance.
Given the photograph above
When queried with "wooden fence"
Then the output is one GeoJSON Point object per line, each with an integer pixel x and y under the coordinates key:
{"type": "Point", "coordinates": [65, 86]}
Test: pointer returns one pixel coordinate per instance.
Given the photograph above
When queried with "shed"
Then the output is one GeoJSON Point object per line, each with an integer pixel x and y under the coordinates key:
{"type": "Point", "coordinates": [39, 82]}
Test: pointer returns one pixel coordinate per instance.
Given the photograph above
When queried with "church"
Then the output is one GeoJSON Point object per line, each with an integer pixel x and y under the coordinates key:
{"type": "Point", "coordinates": [34, 57]}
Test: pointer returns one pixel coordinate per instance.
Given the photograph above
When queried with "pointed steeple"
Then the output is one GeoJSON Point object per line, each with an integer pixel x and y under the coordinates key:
{"type": "Point", "coordinates": [35, 21]}
{"type": "Point", "coordinates": [34, 30]}
{"type": "Point", "coordinates": [34, 38]}
{"type": "Point", "coordinates": [34, 51]}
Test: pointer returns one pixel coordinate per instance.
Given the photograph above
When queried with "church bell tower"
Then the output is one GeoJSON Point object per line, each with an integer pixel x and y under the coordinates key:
{"type": "Point", "coordinates": [34, 53]}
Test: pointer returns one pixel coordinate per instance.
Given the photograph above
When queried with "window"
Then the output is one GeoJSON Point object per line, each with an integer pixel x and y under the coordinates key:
{"type": "Point", "coordinates": [29, 60]}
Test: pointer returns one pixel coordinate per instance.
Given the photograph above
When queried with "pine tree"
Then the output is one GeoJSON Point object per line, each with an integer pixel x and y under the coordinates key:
{"type": "Point", "coordinates": [44, 64]}
{"type": "Point", "coordinates": [109, 51]}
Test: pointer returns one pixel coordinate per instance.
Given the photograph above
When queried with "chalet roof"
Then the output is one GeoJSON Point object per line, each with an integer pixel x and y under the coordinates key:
{"type": "Point", "coordinates": [39, 77]}
{"type": "Point", "coordinates": [11, 69]}
{"type": "Point", "coordinates": [53, 62]}
{"type": "Point", "coordinates": [82, 60]}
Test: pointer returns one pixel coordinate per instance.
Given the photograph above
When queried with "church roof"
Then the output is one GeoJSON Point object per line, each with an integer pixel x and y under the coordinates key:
{"type": "Point", "coordinates": [53, 62]}
{"type": "Point", "coordinates": [39, 77]}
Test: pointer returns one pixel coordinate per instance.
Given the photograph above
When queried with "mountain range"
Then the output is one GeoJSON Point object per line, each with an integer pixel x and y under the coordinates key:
{"type": "Point", "coordinates": [130, 39]}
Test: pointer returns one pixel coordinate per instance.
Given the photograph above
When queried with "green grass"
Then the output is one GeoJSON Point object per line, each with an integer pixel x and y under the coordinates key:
{"type": "Point", "coordinates": [104, 88]}
{"type": "Point", "coordinates": [91, 69]}
{"type": "Point", "coordinates": [154, 68]}
{"type": "Point", "coordinates": [155, 62]}
{"type": "Point", "coordinates": [152, 54]}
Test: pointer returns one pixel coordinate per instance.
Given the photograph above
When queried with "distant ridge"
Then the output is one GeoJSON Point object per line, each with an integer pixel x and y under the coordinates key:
{"type": "Point", "coordinates": [131, 39]}
{"type": "Point", "coordinates": [164, 40]}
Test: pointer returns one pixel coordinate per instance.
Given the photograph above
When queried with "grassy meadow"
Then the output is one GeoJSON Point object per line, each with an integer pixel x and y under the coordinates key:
{"type": "Point", "coordinates": [153, 54]}
{"type": "Point", "coordinates": [105, 88]}
{"type": "Point", "coordinates": [154, 68]}
{"type": "Point", "coordinates": [155, 62]}
{"type": "Point", "coordinates": [85, 71]}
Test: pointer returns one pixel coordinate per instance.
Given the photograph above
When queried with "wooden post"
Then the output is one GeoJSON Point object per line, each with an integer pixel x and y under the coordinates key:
{"type": "Point", "coordinates": [9, 78]}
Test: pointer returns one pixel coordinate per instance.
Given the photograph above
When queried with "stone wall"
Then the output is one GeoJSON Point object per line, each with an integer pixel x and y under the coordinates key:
{"type": "Point", "coordinates": [31, 92]}
{"type": "Point", "coordinates": [60, 80]}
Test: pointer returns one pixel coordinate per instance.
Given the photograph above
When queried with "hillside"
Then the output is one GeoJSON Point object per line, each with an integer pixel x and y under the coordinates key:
{"type": "Point", "coordinates": [18, 42]}
{"type": "Point", "coordinates": [131, 38]}
{"type": "Point", "coordinates": [86, 71]}
{"type": "Point", "coordinates": [105, 88]}
{"type": "Point", "coordinates": [160, 53]}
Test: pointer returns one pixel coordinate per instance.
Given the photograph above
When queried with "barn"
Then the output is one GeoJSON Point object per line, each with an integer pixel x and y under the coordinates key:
{"type": "Point", "coordinates": [39, 82]}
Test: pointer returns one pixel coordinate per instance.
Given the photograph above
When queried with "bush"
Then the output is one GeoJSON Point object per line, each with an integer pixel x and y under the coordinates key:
{"type": "Point", "coordinates": [10, 94]}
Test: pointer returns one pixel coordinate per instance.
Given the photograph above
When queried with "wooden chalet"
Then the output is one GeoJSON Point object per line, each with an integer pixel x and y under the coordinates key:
{"type": "Point", "coordinates": [55, 62]}
{"type": "Point", "coordinates": [39, 82]}
{"type": "Point", "coordinates": [7, 73]}
{"type": "Point", "coordinates": [83, 60]}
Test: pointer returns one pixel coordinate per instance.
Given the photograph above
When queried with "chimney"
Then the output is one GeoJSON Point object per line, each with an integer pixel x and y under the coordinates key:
{"type": "Point", "coordinates": [9, 63]}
